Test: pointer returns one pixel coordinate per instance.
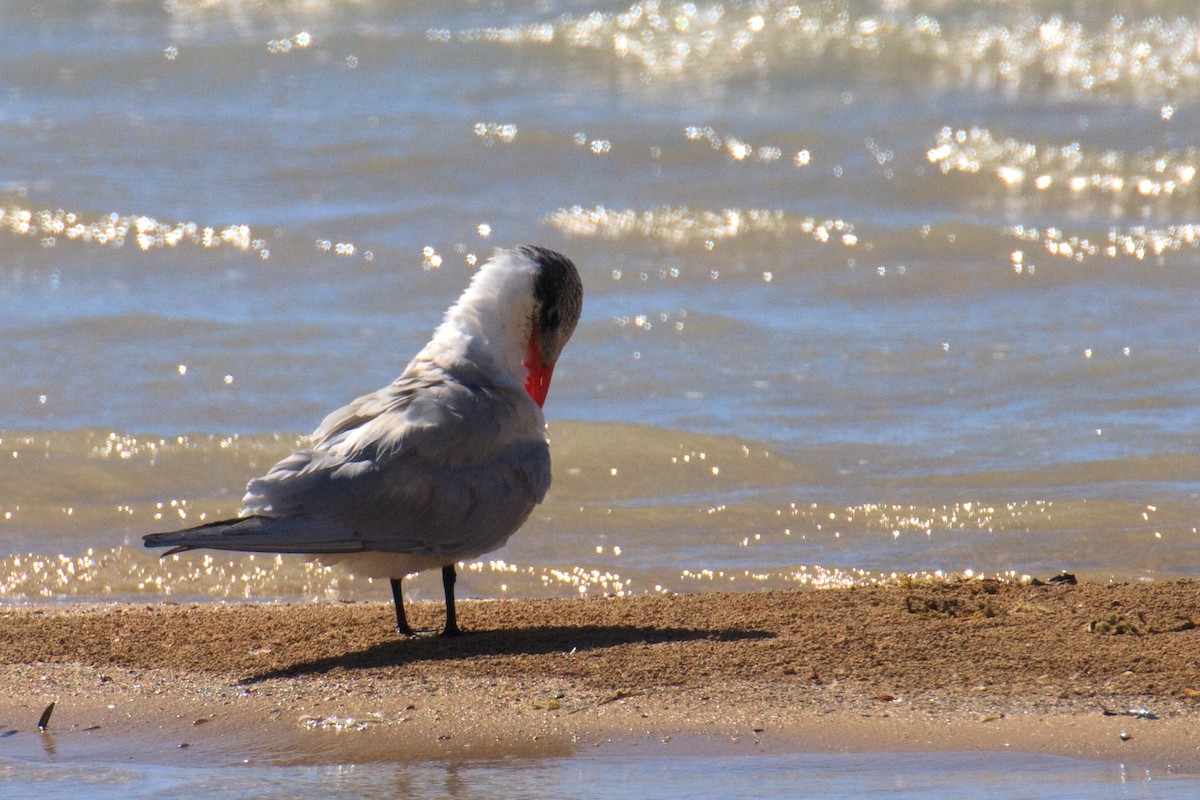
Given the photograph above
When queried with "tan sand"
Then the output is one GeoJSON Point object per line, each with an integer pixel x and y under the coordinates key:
{"type": "Point", "coordinates": [1097, 671]}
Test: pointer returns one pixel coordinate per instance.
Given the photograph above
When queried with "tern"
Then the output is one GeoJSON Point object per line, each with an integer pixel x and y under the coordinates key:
{"type": "Point", "coordinates": [442, 465]}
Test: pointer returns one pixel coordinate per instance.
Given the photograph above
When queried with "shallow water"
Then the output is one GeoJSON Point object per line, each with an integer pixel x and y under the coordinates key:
{"type": "Point", "coordinates": [622, 772]}
{"type": "Point", "coordinates": [872, 287]}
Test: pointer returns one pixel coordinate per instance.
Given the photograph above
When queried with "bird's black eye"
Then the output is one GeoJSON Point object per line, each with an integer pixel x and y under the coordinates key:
{"type": "Point", "coordinates": [551, 317]}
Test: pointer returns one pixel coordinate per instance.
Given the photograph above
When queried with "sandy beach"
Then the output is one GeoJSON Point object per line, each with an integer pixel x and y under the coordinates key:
{"type": "Point", "coordinates": [1091, 670]}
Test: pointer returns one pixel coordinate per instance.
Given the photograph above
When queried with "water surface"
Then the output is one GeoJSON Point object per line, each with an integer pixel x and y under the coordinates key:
{"type": "Point", "coordinates": [873, 288]}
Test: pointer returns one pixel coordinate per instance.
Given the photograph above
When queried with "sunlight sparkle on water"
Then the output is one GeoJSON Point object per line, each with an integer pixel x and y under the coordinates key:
{"type": "Point", "coordinates": [286, 45]}
{"type": "Point", "coordinates": [1156, 56]}
{"type": "Point", "coordinates": [493, 132]}
{"type": "Point", "coordinates": [1137, 176]}
{"type": "Point", "coordinates": [1136, 242]}
{"type": "Point", "coordinates": [740, 150]}
{"type": "Point", "coordinates": [682, 224]}
{"type": "Point", "coordinates": [430, 258]}
{"type": "Point", "coordinates": [113, 230]}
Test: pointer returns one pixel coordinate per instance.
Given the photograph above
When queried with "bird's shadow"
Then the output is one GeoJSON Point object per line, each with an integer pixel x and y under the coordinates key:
{"type": "Point", "coordinates": [507, 642]}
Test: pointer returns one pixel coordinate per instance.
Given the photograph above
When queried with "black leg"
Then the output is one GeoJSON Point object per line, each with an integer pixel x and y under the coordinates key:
{"type": "Point", "coordinates": [401, 620]}
{"type": "Point", "coordinates": [449, 576]}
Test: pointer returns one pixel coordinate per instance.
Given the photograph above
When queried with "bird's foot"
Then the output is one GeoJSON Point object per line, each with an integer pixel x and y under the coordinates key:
{"type": "Point", "coordinates": [419, 632]}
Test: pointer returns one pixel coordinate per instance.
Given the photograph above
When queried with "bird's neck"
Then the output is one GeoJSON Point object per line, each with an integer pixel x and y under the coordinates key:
{"type": "Point", "coordinates": [489, 327]}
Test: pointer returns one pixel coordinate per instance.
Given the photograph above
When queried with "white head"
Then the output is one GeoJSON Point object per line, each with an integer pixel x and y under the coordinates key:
{"type": "Point", "coordinates": [519, 310]}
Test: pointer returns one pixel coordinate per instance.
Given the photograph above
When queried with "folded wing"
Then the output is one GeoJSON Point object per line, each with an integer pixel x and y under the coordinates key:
{"type": "Point", "coordinates": [430, 465]}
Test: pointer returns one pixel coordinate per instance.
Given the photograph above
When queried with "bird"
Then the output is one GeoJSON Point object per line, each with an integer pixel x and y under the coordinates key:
{"type": "Point", "coordinates": [442, 465]}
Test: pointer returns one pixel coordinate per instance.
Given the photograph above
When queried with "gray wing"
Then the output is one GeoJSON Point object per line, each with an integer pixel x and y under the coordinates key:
{"type": "Point", "coordinates": [394, 397]}
{"type": "Point", "coordinates": [426, 465]}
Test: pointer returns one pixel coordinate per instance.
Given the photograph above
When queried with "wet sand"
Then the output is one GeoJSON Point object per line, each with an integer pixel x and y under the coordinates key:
{"type": "Point", "coordinates": [1094, 670]}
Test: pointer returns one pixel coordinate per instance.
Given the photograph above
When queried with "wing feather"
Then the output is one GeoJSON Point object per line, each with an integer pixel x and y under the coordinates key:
{"type": "Point", "coordinates": [425, 465]}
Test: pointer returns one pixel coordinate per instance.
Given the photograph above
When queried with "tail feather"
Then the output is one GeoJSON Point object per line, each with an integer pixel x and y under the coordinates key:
{"type": "Point", "coordinates": [259, 534]}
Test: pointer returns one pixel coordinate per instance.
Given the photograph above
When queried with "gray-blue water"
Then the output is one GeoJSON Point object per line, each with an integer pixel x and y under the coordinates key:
{"type": "Point", "coordinates": [650, 776]}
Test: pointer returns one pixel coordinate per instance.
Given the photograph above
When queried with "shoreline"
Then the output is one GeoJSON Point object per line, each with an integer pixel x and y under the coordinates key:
{"type": "Point", "coordinates": [1101, 671]}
